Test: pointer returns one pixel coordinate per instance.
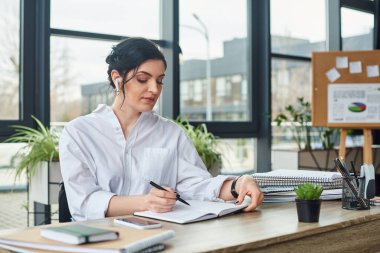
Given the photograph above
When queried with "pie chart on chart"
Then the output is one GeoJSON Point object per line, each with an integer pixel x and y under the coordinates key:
{"type": "Point", "coordinates": [357, 107]}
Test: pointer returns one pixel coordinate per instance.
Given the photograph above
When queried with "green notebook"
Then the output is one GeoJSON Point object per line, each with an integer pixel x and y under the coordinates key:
{"type": "Point", "coordinates": [78, 234]}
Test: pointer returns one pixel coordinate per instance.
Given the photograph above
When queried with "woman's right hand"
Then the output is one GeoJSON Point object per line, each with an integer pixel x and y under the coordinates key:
{"type": "Point", "coordinates": [160, 201]}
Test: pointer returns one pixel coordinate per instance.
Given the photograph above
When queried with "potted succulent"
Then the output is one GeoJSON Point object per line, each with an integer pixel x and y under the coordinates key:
{"type": "Point", "coordinates": [205, 143]}
{"type": "Point", "coordinates": [38, 159]}
{"type": "Point", "coordinates": [308, 202]}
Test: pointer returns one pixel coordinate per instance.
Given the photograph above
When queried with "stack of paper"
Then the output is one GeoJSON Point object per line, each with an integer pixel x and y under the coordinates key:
{"type": "Point", "coordinates": [289, 196]}
{"type": "Point", "coordinates": [287, 180]}
{"type": "Point", "coordinates": [278, 185]}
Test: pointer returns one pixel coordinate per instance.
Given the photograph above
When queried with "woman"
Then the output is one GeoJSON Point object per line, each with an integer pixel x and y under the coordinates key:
{"type": "Point", "coordinates": [109, 157]}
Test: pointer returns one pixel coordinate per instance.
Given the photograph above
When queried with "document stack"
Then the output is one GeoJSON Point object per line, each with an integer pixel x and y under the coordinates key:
{"type": "Point", "coordinates": [278, 185]}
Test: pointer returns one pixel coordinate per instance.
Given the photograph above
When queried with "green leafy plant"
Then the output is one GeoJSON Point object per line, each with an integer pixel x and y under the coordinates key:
{"type": "Point", "coordinates": [204, 142]}
{"type": "Point", "coordinates": [299, 116]}
{"type": "Point", "coordinates": [308, 191]}
{"type": "Point", "coordinates": [41, 145]}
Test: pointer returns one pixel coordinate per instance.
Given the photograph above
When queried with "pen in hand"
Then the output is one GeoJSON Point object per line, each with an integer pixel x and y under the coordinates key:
{"type": "Point", "coordinates": [162, 188]}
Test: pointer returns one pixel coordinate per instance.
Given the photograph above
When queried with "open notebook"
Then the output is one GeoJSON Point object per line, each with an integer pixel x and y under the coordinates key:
{"type": "Point", "coordinates": [197, 211]}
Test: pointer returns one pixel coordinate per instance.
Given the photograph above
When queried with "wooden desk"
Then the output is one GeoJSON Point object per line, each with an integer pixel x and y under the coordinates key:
{"type": "Point", "coordinates": [275, 228]}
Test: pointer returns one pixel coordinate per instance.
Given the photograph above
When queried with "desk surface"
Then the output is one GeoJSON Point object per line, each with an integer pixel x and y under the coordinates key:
{"type": "Point", "coordinates": [275, 228]}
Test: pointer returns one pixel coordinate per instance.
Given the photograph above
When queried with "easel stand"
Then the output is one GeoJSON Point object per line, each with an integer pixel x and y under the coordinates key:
{"type": "Point", "coordinates": [367, 146]}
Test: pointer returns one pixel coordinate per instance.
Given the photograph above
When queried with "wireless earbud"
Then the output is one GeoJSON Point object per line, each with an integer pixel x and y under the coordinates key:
{"type": "Point", "coordinates": [117, 85]}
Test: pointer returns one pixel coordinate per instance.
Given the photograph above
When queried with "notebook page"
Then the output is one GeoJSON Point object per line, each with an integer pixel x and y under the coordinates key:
{"type": "Point", "coordinates": [197, 211]}
{"type": "Point", "coordinates": [218, 208]}
{"type": "Point", "coordinates": [181, 213]}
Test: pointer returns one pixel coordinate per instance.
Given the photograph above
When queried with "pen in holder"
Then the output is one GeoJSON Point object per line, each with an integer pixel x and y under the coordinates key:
{"type": "Point", "coordinates": [352, 198]}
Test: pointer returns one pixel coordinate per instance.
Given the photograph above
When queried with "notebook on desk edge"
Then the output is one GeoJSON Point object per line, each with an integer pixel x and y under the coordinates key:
{"type": "Point", "coordinates": [130, 240]}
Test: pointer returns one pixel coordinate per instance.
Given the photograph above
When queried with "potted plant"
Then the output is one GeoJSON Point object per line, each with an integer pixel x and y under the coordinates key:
{"type": "Point", "coordinates": [41, 145]}
{"type": "Point", "coordinates": [205, 143]}
{"type": "Point", "coordinates": [38, 159]}
{"type": "Point", "coordinates": [299, 118]}
{"type": "Point", "coordinates": [308, 202]}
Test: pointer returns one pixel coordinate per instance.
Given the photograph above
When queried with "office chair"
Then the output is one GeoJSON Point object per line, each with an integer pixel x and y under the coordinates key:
{"type": "Point", "coordinates": [63, 208]}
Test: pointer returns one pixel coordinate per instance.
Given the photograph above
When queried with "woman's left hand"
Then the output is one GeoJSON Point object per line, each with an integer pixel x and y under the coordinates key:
{"type": "Point", "coordinates": [246, 185]}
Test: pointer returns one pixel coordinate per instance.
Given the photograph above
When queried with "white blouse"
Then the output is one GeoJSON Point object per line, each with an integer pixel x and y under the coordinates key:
{"type": "Point", "coordinates": [98, 163]}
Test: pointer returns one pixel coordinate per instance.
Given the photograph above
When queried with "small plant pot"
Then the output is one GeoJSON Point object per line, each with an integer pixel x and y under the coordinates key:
{"type": "Point", "coordinates": [308, 210]}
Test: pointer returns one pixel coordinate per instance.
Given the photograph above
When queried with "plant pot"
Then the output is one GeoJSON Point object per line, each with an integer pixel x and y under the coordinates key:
{"type": "Point", "coordinates": [43, 191]}
{"type": "Point", "coordinates": [44, 184]}
{"type": "Point", "coordinates": [308, 210]}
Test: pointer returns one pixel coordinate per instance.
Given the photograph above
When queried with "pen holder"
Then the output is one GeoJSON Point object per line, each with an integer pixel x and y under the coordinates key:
{"type": "Point", "coordinates": [349, 200]}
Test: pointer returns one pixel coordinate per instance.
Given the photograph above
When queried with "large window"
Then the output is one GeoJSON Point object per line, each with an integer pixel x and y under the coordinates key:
{"type": "Point", "coordinates": [9, 89]}
{"type": "Point", "coordinates": [78, 74]}
{"type": "Point", "coordinates": [78, 71]}
{"type": "Point", "coordinates": [216, 85]}
{"type": "Point", "coordinates": [10, 113]}
{"type": "Point", "coordinates": [214, 60]}
{"type": "Point", "coordinates": [9, 60]}
{"type": "Point", "coordinates": [295, 34]}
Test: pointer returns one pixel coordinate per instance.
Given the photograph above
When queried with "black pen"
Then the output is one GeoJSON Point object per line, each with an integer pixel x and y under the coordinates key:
{"type": "Point", "coordinates": [343, 163]}
{"type": "Point", "coordinates": [162, 188]}
{"type": "Point", "coordinates": [355, 175]}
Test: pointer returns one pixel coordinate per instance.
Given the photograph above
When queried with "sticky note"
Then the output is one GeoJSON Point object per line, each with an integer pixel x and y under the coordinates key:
{"type": "Point", "coordinates": [342, 62]}
{"type": "Point", "coordinates": [332, 75]}
{"type": "Point", "coordinates": [372, 70]}
{"type": "Point", "coordinates": [355, 67]}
